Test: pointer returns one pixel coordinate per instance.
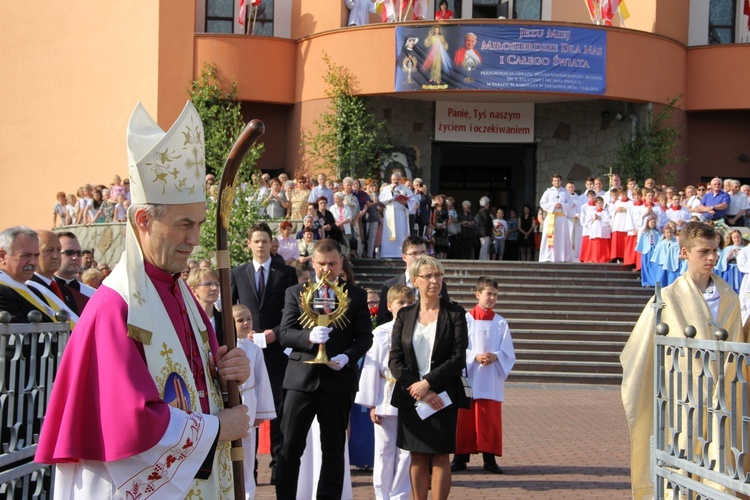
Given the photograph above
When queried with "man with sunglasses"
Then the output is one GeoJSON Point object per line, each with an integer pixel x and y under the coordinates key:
{"type": "Point", "coordinates": [70, 268]}
{"type": "Point", "coordinates": [412, 248]}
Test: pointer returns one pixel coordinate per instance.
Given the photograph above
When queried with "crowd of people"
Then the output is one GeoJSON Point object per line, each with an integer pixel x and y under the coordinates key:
{"type": "Point", "coordinates": [153, 327]}
{"type": "Point", "coordinates": [369, 219]}
{"type": "Point", "coordinates": [640, 227]}
{"type": "Point", "coordinates": [160, 336]}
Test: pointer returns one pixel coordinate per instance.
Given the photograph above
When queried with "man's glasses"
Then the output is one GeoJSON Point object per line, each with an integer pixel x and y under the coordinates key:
{"type": "Point", "coordinates": [71, 253]}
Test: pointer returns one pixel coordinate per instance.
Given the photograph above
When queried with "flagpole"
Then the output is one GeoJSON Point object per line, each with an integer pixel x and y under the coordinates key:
{"type": "Point", "coordinates": [405, 12]}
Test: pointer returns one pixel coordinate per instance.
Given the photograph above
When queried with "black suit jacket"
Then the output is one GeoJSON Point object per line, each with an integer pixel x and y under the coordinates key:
{"type": "Point", "coordinates": [354, 339]}
{"type": "Point", "coordinates": [66, 292]}
{"type": "Point", "coordinates": [384, 315]}
{"type": "Point", "coordinates": [448, 353]}
{"type": "Point", "coordinates": [79, 299]}
{"type": "Point", "coordinates": [17, 306]}
{"type": "Point", "coordinates": [266, 313]}
{"type": "Point", "coordinates": [425, 206]}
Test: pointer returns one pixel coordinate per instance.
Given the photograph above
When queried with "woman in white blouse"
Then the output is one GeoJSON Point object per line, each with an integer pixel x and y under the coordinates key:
{"type": "Point", "coordinates": [427, 356]}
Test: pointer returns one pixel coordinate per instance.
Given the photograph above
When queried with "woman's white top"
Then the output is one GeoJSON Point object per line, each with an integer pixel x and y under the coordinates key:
{"type": "Point", "coordinates": [423, 341]}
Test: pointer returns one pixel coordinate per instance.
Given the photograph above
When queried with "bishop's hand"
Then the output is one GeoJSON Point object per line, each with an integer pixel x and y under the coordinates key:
{"type": "Point", "coordinates": [233, 365]}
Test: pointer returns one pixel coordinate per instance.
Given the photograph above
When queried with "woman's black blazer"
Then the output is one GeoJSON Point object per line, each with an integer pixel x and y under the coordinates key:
{"type": "Point", "coordinates": [448, 353]}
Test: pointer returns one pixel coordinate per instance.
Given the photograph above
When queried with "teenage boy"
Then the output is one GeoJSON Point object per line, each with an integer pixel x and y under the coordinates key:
{"type": "Point", "coordinates": [698, 298]}
{"type": "Point", "coordinates": [489, 359]}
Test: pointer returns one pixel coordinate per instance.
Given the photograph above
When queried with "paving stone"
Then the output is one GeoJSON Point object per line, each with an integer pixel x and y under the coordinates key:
{"type": "Point", "coordinates": [559, 441]}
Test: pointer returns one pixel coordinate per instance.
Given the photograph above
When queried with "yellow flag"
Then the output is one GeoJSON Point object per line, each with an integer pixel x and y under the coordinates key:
{"type": "Point", "coordinates": [624, 12]}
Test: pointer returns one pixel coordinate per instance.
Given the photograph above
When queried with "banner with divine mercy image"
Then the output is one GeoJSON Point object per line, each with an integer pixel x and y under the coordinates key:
{"type": "Point", "coordinates": [527, 58]}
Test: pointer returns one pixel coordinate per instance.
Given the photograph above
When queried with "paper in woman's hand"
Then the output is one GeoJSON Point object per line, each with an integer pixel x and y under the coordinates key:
{"type": "Point", "coordinates": [424, 410]}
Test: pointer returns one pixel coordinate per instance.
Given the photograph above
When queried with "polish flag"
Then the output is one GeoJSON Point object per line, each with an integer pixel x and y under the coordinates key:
{"type": "Point", "coordinates": [243, 12]}
{"type": "Point", "coordinates": [243, 9]}
{"type": "Point", "coordinates": [610, 8]}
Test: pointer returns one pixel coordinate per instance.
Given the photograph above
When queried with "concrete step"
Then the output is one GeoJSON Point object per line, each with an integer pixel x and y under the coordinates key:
{"type": "Point", "coordinates": [560, 313]}
{"type": "Point", "coordinates": [563, 355]}
{"type": "Point", "coordinates": [537, 365]}
{"type": "Point", "coordinates": [557, 377]}
{"type": "Point", "coordinates": [575, 327]}
{"type": "Point", "coordinates": [580, 347]}
{"type": "Point", "coordinates": [509, 303]}
{"type": "Point", "coordinates": [591, 335]}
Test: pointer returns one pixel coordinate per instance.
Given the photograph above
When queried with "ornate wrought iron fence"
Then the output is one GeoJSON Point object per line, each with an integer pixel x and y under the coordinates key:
{"type": "Point", "coordinates": [701, 443]}
{"type": "Point", "coordinates": [30, 358]}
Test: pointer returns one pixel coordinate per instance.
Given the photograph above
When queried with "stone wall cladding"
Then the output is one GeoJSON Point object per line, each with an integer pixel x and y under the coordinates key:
{"type": "Point", "coordinates": [575, 140]}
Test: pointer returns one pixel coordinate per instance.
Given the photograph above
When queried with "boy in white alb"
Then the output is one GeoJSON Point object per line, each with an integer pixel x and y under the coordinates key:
{"type": "Point", "coordinates": [256, 391]}
{"type": "Point", "coordinates": [390, 474]}
{"type": "Point", "coordinates": [489, 358]}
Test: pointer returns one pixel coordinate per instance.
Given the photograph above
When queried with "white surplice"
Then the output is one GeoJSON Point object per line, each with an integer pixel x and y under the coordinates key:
{"type": "Point", "coordinates": [257, 395]}
{"type": "Point", "coordinates": [488, 381]}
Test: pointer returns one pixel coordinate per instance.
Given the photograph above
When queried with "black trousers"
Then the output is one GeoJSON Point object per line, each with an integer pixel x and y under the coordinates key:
{"type": "Point", "coordinates": [276, 377]}
{"type": "Point", "coordinates": [332, 411]}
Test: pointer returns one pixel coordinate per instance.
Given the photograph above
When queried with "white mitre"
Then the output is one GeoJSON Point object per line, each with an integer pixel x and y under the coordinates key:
{"type": "Point", "coordinates": [165, 168]}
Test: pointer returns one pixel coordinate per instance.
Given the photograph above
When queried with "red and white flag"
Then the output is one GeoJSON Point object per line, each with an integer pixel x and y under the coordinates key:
{"type": "Point", "coordinates": [243, 9]}
{"type": "Point", "coordinates": [243, 12]}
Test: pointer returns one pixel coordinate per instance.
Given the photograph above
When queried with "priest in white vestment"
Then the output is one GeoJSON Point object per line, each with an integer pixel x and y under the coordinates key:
{"type": "Point", "coordinates": [396, 198]}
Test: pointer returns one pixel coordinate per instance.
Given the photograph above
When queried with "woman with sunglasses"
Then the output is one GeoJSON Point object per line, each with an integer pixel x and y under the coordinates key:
{"type": "Point", "coordinates": [427, 357]}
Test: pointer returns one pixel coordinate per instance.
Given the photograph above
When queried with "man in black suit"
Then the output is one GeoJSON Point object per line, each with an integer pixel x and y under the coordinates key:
{"type": "Point", "coordinates": [424, 206]}
{"type": "Point", "coordinates": [50, 257]}
{"type": "Point", "coordinates": [266, 303]}
{"type": "Point", "coordinates": [19, 255]}
{"type": "Point", "coordinates": [412, 248]}
{"type": "Point", "coordinates": [325, 391]}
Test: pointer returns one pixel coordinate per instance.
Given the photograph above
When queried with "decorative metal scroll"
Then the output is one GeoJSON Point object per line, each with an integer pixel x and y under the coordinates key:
{"type": "Point", "coordinates": [702, 416]}
{"type": "Point", "coordinates": [30, 358]}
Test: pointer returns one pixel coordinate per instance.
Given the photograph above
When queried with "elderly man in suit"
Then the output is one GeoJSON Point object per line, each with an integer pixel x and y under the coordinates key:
{"type": "Point", "coordinates": [19, 257]}
{"type": "Point", "coordinates": [412, 248]}
{"type": "Point", "coordinates": [260, 285]}
{"type": "Point", "coordinates": [319, 390]}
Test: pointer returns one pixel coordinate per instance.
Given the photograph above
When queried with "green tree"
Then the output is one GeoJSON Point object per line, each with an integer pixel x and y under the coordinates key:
{"type": "Point", "coordinates": [648, 152]}
{"type": "Point", "coordinates": [348, 139]}
{"type": "Point", "coordinates": [222, 124]}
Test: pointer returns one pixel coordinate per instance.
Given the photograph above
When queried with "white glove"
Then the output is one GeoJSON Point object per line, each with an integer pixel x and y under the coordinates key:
{"type": "Point", "coordinates": [340, 361]}
{"type": "Point", "coordinates": [319, 334]}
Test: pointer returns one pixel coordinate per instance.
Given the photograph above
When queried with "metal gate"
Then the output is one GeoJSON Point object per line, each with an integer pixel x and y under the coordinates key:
{"type": "Point", "coordinates": [701, 443]}
{"type": "Point", "coordinates": [30, 358]}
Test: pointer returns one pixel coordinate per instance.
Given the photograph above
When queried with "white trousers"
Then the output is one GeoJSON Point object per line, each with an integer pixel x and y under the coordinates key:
{"type": "Point", "coordinates": [390, 473]}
